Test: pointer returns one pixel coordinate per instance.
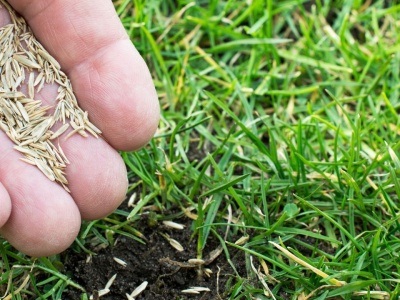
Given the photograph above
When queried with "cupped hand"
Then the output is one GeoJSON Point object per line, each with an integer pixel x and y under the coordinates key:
{"type": "Point", "coordinates": [112, 83]}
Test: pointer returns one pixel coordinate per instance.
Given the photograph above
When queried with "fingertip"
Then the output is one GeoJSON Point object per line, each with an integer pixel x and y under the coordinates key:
{"type": "Point", "coordinates": [142, 109]}
{"type": "Point", "coordinates": [41, 223]}
{"type": "Point", "coordinates": [47, 238]}
{"type": "Point", "coordinates": [5, 205]}
{"type": "Point", "coordinates": [139, 124]}
{"type": "Point", "coordinates": [117, 90]}
{"type": "Point", "coordinates": [100, 187]}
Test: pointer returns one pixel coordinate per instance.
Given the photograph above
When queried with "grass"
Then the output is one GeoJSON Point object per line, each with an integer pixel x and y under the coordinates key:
{"type": "Point", "coordinates": [282, 115]}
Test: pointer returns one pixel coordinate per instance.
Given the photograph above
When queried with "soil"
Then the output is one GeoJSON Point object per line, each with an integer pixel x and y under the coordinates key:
{"type": "Point", "coordinates": [166, 270]}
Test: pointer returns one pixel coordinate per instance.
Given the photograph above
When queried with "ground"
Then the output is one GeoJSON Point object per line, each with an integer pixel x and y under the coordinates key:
{"type": "Point", "coordinates": [148, 262]}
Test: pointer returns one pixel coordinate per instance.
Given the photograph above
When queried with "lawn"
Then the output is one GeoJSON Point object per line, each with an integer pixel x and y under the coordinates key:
{"type": "Point", "coordinates": [276, 160]}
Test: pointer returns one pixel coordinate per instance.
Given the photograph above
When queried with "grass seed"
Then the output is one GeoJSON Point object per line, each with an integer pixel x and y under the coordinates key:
{"type": "Point", "coordinates": [24, 119]}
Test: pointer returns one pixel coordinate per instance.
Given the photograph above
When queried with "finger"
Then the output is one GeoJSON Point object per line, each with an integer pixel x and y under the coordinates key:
{"type": "Point", "coordinates": [96, 174]}
{"type": "Point", "coordinates": [109, 77]}
{"type": "Point", "coordinates": [98, 184]}
{"type": "Point", "coordinates": [5, 205]}
{"type": "Point", "coordinates": [44, 219]}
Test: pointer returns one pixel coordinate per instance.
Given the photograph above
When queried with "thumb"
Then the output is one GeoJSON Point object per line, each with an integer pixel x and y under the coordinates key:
{"type": "Point", "coordinates": [5, 205]}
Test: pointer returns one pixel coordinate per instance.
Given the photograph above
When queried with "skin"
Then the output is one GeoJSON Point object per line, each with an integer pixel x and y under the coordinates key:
{"type": "Point", "coordinates": [111, 82]}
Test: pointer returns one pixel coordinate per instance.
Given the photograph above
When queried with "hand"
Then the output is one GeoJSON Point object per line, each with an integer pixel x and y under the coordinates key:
{"type": "Point", "coordinates": [111, 82]}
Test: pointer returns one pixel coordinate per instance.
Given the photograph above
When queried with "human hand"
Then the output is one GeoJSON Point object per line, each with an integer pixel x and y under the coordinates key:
{"type": "Point", "coordinates": [111, 82]}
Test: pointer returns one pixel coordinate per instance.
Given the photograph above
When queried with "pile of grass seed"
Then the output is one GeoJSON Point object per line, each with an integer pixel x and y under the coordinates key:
{"type": "Point", "coordinates": [27, 122]}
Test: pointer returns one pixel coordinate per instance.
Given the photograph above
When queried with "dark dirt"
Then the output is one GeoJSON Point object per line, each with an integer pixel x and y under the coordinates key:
{"type": "Point", "coordinates": [148, 263]}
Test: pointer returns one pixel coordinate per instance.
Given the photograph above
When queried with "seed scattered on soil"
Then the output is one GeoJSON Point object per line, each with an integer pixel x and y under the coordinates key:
{"type": "Point", "coordinates": [132, 199]}
{"type": "Point", "coordinates": [110, 282]}
{"type": "Point", "coordinates": [129, 297]}
{"type": "Point", "coordinates": [243, 240]}
{"type": "Point", "coordinates": [100, 293]}
{"type": "Point", "coordinates": [24, 118]}
{"type": "Point", "coordinates": [196, 261]}
{"type": "Point", "coordinates": [176, 245]}
{"type": "Point", "coordinates": [208, 272]}
{"type": "Point", "coordinates": [139, 289]}
{"type": "Point", "coordinates": [173, 225]}
{"type": "Point", "coordinates": [196, 290]}
{"type": "Point", "coordinates": [173, 243]}
{"type": "Point", "coordinates": [120, 261]}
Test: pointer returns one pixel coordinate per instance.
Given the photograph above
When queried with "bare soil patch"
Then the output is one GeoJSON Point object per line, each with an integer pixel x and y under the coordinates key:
{"type": "Point", "coordinates": [149, 262]}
